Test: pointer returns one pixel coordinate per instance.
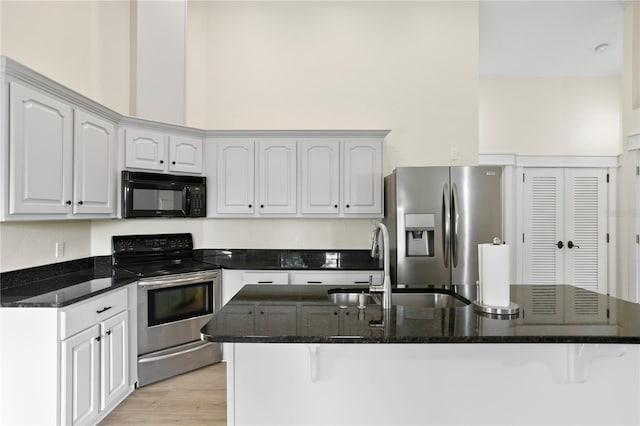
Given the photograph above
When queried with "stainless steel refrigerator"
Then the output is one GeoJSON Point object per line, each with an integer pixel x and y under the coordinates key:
{"type": "Point", "coordinates": [436, 218]}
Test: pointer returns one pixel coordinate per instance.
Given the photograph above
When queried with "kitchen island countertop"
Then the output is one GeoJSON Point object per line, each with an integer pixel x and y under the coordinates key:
{"type": "Point", "coordinates": [305, 314]}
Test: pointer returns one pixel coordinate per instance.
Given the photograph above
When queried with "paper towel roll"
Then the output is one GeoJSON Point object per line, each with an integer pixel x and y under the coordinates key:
{"type": "Point", "coordinates": [493, 271]}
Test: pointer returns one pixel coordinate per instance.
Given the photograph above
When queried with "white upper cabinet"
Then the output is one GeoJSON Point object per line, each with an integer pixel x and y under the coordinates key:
{"type": "Point", "coordinates": [565, 227]}
{"type": "Point", "coordinates": [362, 177]}
{"type": "Point", "coordinates": [144, 150]}
{"type": "Point", "coordinates": [159, 151]}
{"type": "Point", "coordinates": [94, 172]}
{"type": "Point", "coordinates": [234, 176]}
{"type": "Point", "coordinates": [342, 177]}
{"type": "Point", "coordinates": [185, 154]}
{"type": "Point", "coordinates": [61, 159]}
{"type": "Point", "coordinates": [320, 176]}
{"type": "Point", "coordinates": [40, 149]}
{"type": "Point", "coordinates": [296, 173]}
{"type": "Point", "coordinates": [277, 178]}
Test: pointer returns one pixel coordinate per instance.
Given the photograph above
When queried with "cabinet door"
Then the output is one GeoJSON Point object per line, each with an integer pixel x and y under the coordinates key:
{"type": "Point", "coordinates": [114, 358]}
{"type": "Point", "coordinates": [277, 176]}
{"type": "Point", "coordinates": [40, 152]}
{"type": "Point", "coordinates": [80, 375]}
{"type": "Point", "coordinates": [94, 173]}
{"type": "Point", "coordinates": [586, 228]}
{"type": "Point", "coordinates": [543, 260]}
{"type": "Point", "coordinates": [320, 172]}
{"type": "Point", "coordinates": [235, 174]}
{"type": "Point", "coordinates": [185, 154]}
{"type": "Point", "coordinates": [362, 177]}
{"type": "Point", "coordinates": [144, 150]}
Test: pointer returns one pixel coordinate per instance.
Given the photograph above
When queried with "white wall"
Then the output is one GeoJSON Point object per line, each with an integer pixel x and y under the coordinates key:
{"type": "Point", "coordinates": [411, 67]}
{"type": "Point", "coordinates": [81, 44]}
{"type": "Point", "coordinates": [27, 244]}
{"type": "Point", "coordinates": [550, 115]}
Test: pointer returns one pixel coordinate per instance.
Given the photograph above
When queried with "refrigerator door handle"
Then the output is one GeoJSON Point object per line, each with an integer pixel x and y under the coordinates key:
{"type": "Point", "coordinates": [446, 224]}
{"type": "Point", "coordinates": [454, 222]}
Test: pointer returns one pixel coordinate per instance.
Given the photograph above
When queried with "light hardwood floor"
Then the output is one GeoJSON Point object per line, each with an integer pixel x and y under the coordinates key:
{"type": "Point", "coordinates": [195, 398]}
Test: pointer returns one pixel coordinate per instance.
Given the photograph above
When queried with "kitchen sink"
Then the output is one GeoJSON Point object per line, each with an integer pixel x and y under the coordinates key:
{"type": "Point", "coordinates": [350, 297]}
{"type": "Point", "coordinates": [420, 297]}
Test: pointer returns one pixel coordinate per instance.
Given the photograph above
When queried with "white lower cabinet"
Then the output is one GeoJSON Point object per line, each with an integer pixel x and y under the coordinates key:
{"type": "Point", "coordinates": [95, 369]}
{"type": "Point", "coordinates": [75, 363]}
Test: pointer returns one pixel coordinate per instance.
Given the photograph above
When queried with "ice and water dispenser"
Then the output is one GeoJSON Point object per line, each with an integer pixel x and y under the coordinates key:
{"type": "Point", "coordinates": [419, 234]}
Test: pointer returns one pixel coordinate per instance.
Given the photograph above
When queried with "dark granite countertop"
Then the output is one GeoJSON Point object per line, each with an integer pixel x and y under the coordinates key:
{"type": "Point", "coordinates": [61, 284]}
{"type": "Point", "coordinates": [290, 259]}
{"type": "Point", "coordinates": [305, 314]}
{"type": "Point", "coordinates": [64, 283]}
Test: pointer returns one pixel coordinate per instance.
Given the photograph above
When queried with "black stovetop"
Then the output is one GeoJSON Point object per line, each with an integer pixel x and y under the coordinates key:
{"type": "Point", "coordinates": [156, 254]}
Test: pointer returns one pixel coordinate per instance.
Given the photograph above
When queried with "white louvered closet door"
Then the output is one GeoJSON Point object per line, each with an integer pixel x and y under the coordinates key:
{"type": "Point", "coordinates": [543, 226]}
{"type": "Point", "coordinates": [586, 228]}
{"type": "Point", "coordinates": [568, 206]}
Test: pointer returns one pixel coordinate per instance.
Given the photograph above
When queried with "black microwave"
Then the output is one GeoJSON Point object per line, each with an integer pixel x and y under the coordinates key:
{"type": "Point", "coordinates": [162, 195]}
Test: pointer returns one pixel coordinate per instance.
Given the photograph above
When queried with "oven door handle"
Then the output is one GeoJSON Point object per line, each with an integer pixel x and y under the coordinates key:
{"type": "Point", "coordinates": [173, 354]}
{"type": "Point", "coordinates": [177, 281]}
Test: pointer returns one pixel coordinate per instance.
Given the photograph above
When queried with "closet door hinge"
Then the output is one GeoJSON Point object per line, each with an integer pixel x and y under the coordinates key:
{"type": "Point", "coordinates": [523, 237]}
{"type": "Point", "coordinates": [637, 239]}
{"type": "Point", "coordinates": [607, 238]}
{"type": "Point", "coordinates": [637, 170]}
{"type": "Point", "coordinates": [523, 177]}
{"type": "Point", "coordinates": [607, 177]}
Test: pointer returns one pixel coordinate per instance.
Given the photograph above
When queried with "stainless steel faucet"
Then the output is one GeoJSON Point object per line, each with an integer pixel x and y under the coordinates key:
{"type": "Point", "coordinates": [385, 288]}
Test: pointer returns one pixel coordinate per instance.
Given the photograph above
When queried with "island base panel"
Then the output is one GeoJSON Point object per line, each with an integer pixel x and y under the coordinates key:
{"type": "Point", "coordinates": [378, 384]}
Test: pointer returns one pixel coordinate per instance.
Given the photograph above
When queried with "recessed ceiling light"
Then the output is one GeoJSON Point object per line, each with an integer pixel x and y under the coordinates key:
{"type": "Point", "coordinates": [601, 47]}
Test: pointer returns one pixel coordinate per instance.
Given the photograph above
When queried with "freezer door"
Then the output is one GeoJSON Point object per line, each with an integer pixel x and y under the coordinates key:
{"type": "Point", "coordinates": [421, 213]}
{"type": "Point", "coordinates": [476, 217]}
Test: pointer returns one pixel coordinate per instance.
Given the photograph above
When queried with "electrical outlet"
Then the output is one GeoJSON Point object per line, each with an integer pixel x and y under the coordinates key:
{"type": "Point", "coordinates": [453, 154]}
{"type": "Point", "coordinates": [59, 249]}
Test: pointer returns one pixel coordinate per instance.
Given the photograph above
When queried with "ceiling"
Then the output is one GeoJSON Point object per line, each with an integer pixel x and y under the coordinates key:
{"type": "Point", "coordinates": [551, 37]}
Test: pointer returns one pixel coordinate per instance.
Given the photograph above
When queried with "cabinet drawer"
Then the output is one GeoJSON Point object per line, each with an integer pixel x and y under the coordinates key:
{"type": "Point", "coordinates": [266, 278]}
{"type": "Point", "coordinates": [85, 314]}
{"type": "Point", "coordinates": [337, 278]}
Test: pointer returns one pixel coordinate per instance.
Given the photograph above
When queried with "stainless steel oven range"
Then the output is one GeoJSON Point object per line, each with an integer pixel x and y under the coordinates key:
{"type": "Point", "coordinates": [177, 295]}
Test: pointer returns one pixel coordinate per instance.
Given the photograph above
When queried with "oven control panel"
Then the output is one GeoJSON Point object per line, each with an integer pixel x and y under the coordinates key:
{"type": "Point", "coordinates": [154, 243]}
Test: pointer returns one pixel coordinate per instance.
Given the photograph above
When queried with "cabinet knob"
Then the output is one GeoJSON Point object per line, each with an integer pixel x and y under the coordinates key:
{"type": "Point", "coordinates": [335, 206]}
{"type": "Point", "coordinates": [68, 202]}
{"type": "Point", "coordinates": [250, 205]}
{"type": "Point", "coordinates": [98, 338]}
{"type": "Point", "coordinates": [173, 162]}
{"type": "Point", "coordinates": [571, 245]}
{"type": "Point", "coordinates": [348, 206]}
{"type": "Point", "coordinates": [250, 312]}
{"type": "Point", "coordinates": [161, 161]}
{"type": "Point", "coordinates": [261, 312]}
{"type": "Point", "coordinates": [108, 332]}
{"type": "Point", "coordinates": [81, 202]}
{"type": "Point", "coordinates": [560, 244]}
{"type": "Point", "coordinates": [262, 206]}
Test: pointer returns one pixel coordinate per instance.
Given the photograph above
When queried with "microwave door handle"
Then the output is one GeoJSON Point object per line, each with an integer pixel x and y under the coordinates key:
{"type": "Point", "coordinates": [186, 197]}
